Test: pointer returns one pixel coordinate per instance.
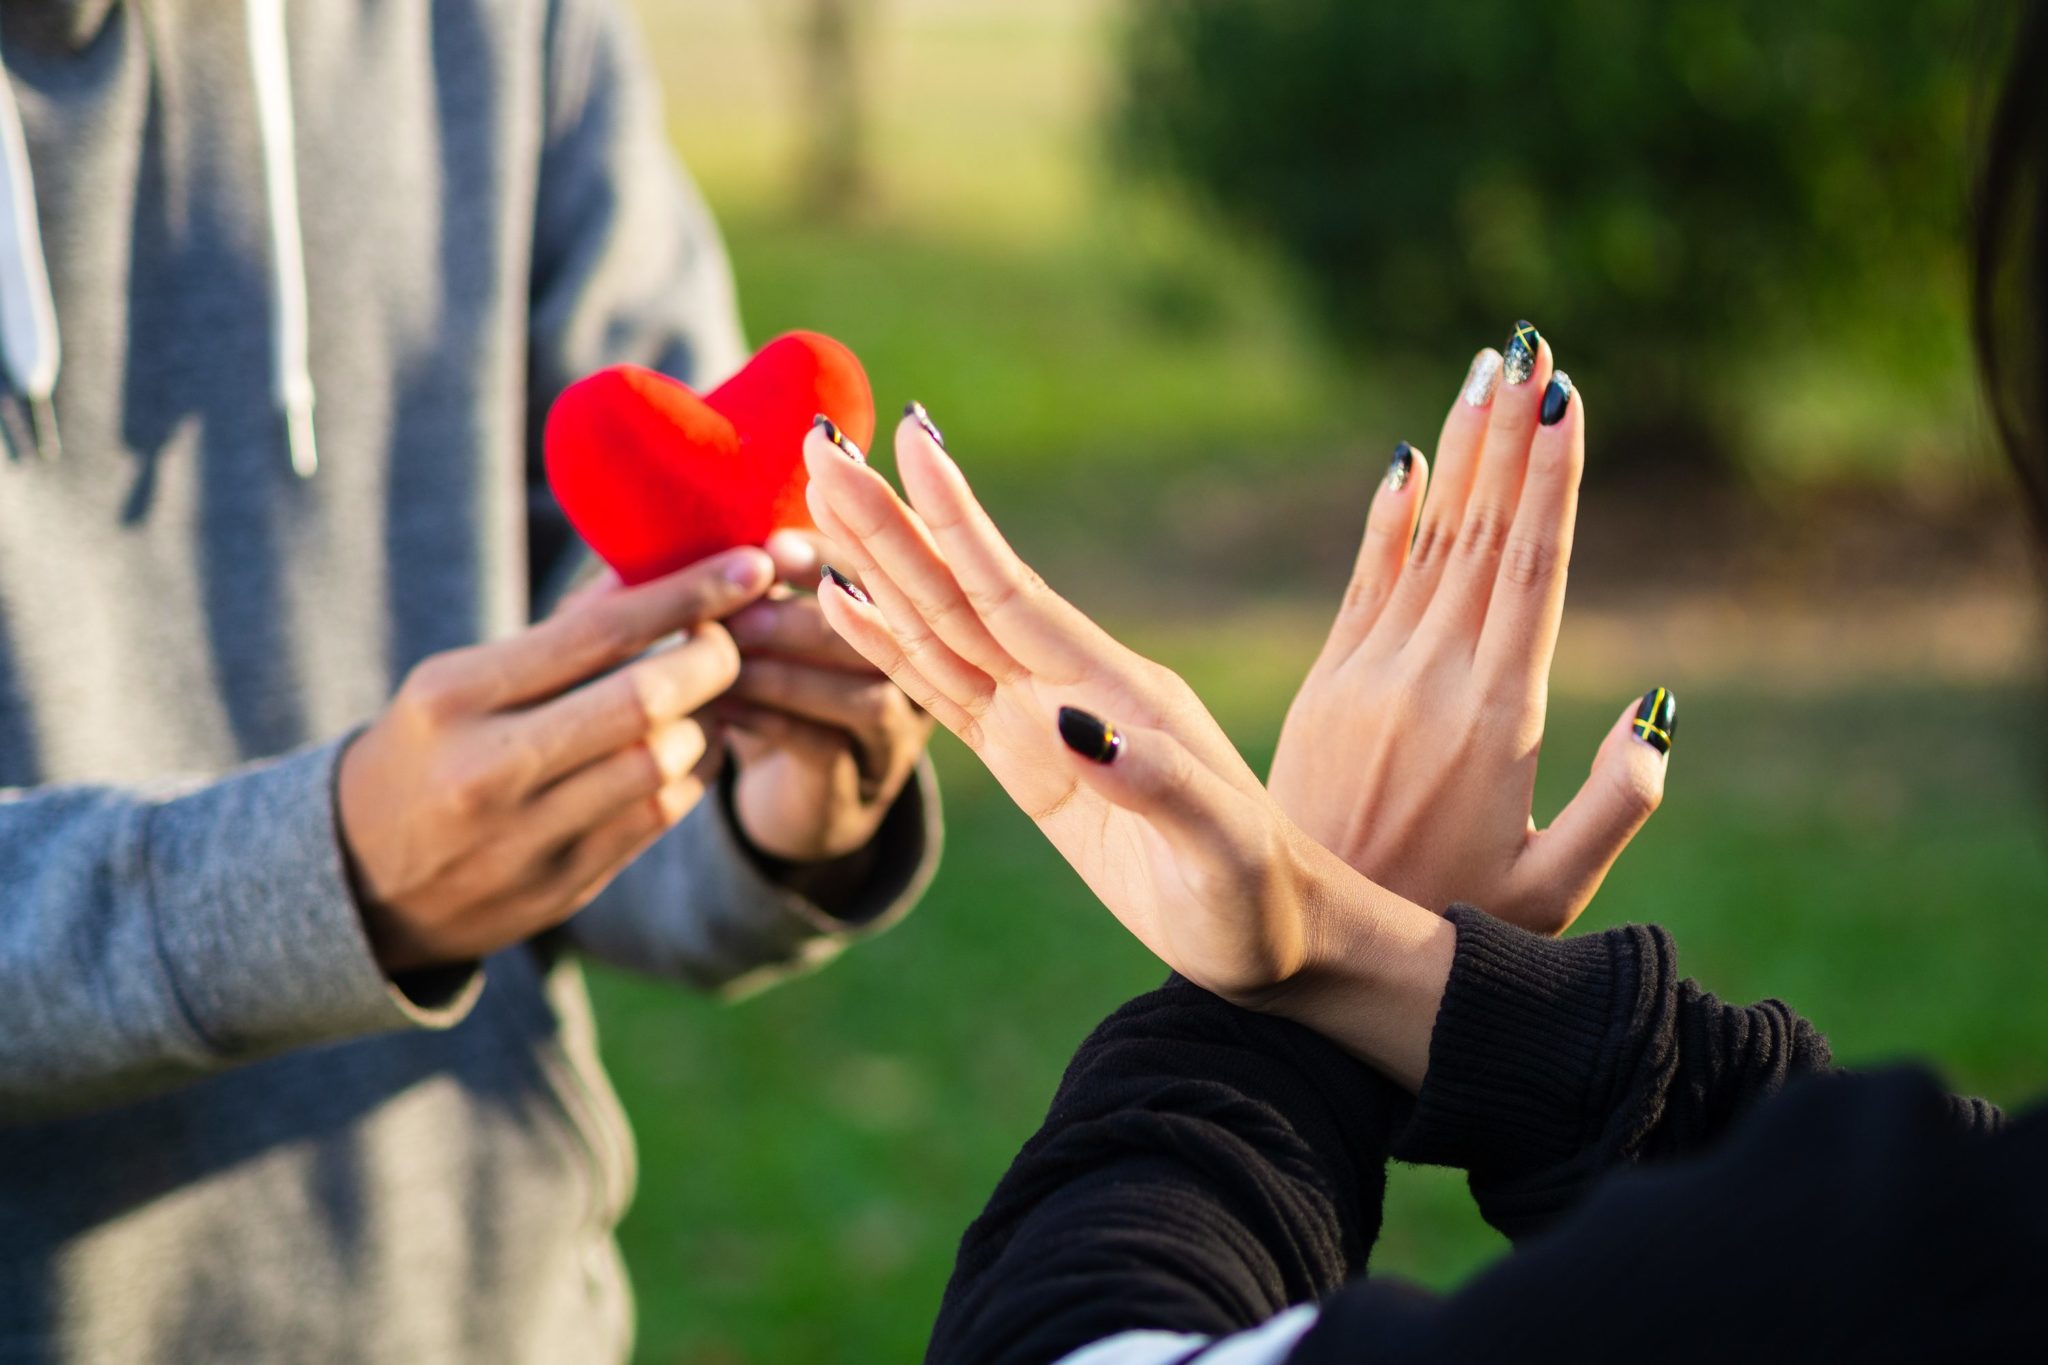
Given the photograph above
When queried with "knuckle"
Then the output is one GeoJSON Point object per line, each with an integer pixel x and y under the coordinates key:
{"type": "Point", "coordinates": [680, 746]}
{"type": "Point", "coordinates": [916, 641]}
{"type": "Point", "coordinates": [1529, 562]}
{"type": "Point", "coordinates": [1360, 593]}
{"type": "Point", "coordinates": [1430, 543]}
{"type": "Point", "coordinates": [952, 609]}
{"type": "Point", "coordinates": [1012, 589]}
{"type": "Point", "coordinates": [470, 789]}
{"type": "Point", "coordinates": [624, 704]}
{"type": "Point", "coordinates": [865, 516]}
{"type": "Point", "coordinates": [717, 642]}
{"type": "Point", "coordinates": [433, 690]}
{"type": "Point", "coordinates": [672, 803]}
{"type": "Point", "coordinates": [707, 663]}
{"type": "Point", "coordinates": [947, 515]}
{"type": "Point", "coordinates": [1176, 695]}
{"type": "Point", "coordinates": [1483, 534]}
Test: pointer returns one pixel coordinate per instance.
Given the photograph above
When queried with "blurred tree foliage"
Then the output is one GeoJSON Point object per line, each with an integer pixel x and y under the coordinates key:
{"type": "Point", "coordinates": [1671, 189]}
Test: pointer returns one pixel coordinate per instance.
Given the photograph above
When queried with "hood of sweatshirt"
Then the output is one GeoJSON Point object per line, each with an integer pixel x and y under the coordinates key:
{"type": "Point", "coordinates": [31, 346]}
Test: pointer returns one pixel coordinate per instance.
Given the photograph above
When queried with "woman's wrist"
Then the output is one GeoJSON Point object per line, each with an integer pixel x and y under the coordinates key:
{"type": "Point", "coordinates": [1375, 972]}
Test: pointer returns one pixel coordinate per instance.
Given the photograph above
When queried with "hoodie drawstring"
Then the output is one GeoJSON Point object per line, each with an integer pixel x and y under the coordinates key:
{"type": "Point", "coordinates": [28, 316]}
{"type": "Point", "coordinates": [29, 343]}
{"type": "Point", "coordinates": [292, 374]}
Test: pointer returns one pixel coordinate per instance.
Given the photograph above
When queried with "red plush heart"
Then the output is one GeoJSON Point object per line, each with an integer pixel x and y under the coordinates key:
{"type": "Point", "coordinates": [654, 477]}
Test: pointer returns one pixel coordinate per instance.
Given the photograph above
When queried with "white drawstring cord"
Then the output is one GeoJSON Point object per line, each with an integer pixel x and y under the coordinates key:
{"type": "Point", "coordinates": [29, 343]}
{"type": "Point", "coordinates": [28, 315]}
{"type": "Point", "coordinates": [270, 61]}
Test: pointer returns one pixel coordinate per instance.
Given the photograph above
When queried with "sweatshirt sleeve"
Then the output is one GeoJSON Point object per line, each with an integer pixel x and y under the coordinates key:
{"type": "Point", "coordinates": [1554, 1060]}
{"type": "Point", "coordinates": [150, 938]}
{"type": "Point", "coordinates": [1201, 1170]}
{"type": "Point", "coordinates": [703, 908]}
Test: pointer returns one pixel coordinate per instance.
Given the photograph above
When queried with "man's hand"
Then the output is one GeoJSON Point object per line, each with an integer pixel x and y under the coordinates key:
{"type": "Point", "coordinates": [824, 742]}
{"type": "Point", "coordinates": [507, 783]}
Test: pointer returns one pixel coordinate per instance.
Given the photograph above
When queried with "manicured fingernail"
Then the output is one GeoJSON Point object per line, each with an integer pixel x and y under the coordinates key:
{"type": "Point", "coordinates": [838, 437]}
{"type": "Point", "coordinates": [1520, 361]}
{"type": "Point", "coordinates": [1400, 467]}
{"type": "Point", "coordinates": [1657, 719]}
{"type": "Point", "coordinates": [1557, 399]}
{"type": "Point", "coordinates": [1095, 740]}
{"type": "Point", "coordinates": [1483, 378]}
{"type": "Point", "coordinates": [844, 584]}
{"type": "Point", "coordinates": [916, 413]}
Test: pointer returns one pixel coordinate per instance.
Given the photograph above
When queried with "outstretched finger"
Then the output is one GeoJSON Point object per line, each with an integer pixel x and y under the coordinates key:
{"type": "Point", "coordinates": [858, 508]}
{"type": "Point", "coordinates": [1459, 449]}
{"type": "Point", "coordinates": [1519, 636]}
{"type": "Point", "coordinates": [950, 676]}
{"type": "Point", "coordinates": [1570, 859]}
{"type": "Point", "coordinates": [1459, 603]}
{"type": "Point", "coordinates": [1035, 625]}
{"type": "Point", "coordinates": [852, 612]}
{"type": "Point", "coordinates": [1389, 527]}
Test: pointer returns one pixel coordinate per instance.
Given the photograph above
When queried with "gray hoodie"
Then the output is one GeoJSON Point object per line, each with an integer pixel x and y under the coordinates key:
{"type": "Point", "coordinates": [284, 295]}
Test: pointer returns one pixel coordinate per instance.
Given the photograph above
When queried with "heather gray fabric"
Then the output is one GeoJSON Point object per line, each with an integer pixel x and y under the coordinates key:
{"type": "Point", "coordinates": [223, 1134]}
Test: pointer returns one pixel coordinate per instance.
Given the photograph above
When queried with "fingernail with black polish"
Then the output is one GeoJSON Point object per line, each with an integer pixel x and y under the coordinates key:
{"type": "Point", "coordinates": [838, 437]}
{"type": "Point", "coordinates": [1519, 362]}
{"type": "Point", "coordinates": [1483, 378]}
{"type": "Point", "coordinates": [1400, 467]}
{"type": "Point", "coordinates": [844, 584]}
{"type": "Point", "coordinates": [1657, 719]}
{"type": "Point", "coordinates": [1093, 739]}
{"type": "Point", "coordinates": [916, 413]}
{"type": "Point", "coordinates": [1557, 399]}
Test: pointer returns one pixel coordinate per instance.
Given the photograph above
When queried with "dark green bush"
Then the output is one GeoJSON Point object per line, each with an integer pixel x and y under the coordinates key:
{"type": "Point", "coordinates": [1676, 192]}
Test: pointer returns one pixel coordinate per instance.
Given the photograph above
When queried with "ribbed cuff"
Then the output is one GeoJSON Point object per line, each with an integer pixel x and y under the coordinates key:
{"type": "Point", "coordinates": [869, 889]}
{"type": "Point", "coordinates": [699, 907]}
{"type": "Point", "coordinates": [256, 922]}
{"type": "Point", "coordinates": [1526, 1047]}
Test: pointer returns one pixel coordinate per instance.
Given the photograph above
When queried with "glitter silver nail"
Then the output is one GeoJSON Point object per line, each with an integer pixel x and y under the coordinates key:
{"type": "Point", "coordinates": [1523, 344]}
{"type": "Point", "coordinates": [1483, 378]}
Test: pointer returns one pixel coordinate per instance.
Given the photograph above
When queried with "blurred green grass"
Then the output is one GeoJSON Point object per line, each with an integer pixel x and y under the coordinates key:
{"type": "Point", "coordinates": [1120, 382]}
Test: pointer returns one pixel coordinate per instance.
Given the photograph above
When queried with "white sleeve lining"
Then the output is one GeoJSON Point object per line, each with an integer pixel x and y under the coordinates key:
{"type": "Point", "coordinates": [1270, 1343]}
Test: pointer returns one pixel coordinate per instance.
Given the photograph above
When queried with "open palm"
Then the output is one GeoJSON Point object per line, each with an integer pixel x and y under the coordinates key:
{"type": "Point", "coordinates": [1176, 836]}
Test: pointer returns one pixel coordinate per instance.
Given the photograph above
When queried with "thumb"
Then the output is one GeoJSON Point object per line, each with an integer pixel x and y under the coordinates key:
{"type": "Point", "coordinates": [1152, 775]}
{"type": "Point", "coordinates": [1572, 857]}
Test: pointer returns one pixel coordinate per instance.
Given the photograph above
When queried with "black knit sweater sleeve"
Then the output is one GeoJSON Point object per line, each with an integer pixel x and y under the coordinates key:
{"type": "Point", "coordinates": [1554, 1060]}
{"type": "Point", "coordinates": [1850, 1218]}
{"type": "Point", "coordinates": [1201, 1169]}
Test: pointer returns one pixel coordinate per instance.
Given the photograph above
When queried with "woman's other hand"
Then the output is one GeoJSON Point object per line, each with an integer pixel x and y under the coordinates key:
{"type": "Point", "coordinates": [1411, 748]}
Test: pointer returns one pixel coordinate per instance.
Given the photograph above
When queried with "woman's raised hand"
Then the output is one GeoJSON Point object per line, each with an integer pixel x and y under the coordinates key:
{"type": "Point", "coordinates": [1411, 748]}
{"type": "Point", "coordinates": [1112, 755]}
